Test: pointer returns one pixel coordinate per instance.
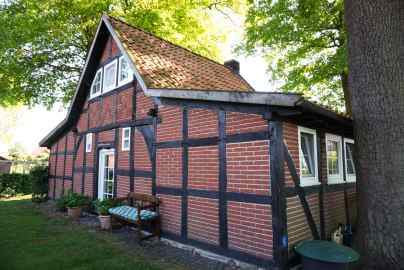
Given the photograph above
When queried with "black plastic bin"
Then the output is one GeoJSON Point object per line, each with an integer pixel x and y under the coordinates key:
{"type": "Point", "coordinates": [325, 255]}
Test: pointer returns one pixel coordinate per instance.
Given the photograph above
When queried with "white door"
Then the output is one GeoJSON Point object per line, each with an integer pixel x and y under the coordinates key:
{"type": "Point", "coordinates": [106, 174]}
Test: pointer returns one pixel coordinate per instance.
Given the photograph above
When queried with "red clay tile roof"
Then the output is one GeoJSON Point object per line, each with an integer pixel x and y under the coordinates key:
{"type": "Point", "coordinates": [163, 64]}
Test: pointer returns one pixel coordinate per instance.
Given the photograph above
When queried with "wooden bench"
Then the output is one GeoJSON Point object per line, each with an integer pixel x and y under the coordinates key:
{"type": "Point", "coordinates": [140, 210]}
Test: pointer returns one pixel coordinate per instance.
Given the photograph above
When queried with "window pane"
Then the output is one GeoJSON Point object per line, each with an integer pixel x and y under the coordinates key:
{"type": "Point", "coordinates": [110, 77]}
{"type": "Point", "coordinates": [332, 157]}
{"type": "Point", "coordinates": [124, 70]}
{"type": "Point", "coordinates": [126, 144]}
{"type": "Point", "coordinates": [111, 174]}
{"type": "Point", "coordinates": [96, 84]}
{"type": "Point", "coordinates": [110, 163]}
{"type": "Point", "coordinates": [349, 158]}
{"type": "Point", "coordinates": [307, 149]}
{"type": "Point", "coordinates": [127, 133]}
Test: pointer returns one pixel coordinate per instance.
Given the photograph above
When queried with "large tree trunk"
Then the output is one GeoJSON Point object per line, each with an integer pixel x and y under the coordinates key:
{"type": "Point", "coordinates": [347, 94]}
{"type": "Point", "coordinates": [376, 77]}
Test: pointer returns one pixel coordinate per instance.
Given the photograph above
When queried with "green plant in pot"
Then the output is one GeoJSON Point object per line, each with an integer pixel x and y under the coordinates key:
{"type": "Point", "coordinates": [102, 207]}
{"type": "Point", "coordinates": [75, 203]}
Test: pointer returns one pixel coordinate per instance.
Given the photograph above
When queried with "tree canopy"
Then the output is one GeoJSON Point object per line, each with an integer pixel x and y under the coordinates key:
{"type": "Point", "coordinates": [43, 43]}
{"type": "Point", "coordinates": [304, 42]}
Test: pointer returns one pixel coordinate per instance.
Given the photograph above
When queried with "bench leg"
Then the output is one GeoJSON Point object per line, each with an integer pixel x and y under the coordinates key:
{"type": "Point", "coordinates": [139, 231]}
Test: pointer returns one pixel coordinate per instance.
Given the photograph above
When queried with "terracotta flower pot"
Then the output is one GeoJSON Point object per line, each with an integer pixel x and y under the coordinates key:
{"type": "Point", "coordinates": [105, 222]}
{"type": "Point", "coordinates": [74, 212]}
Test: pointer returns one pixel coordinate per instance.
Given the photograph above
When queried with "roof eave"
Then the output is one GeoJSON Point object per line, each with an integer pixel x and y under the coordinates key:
{"type": "Point", "coordinates": [258, 98]}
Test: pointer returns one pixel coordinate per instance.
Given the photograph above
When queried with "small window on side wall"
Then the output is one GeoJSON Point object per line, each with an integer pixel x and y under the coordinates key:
{"type": "Point", "coordinates": [89, 142]}
{"type": "Point", "coordinates": [124, 73]}
{"type": "Point", "coordinates": [334, 159]}
{"type": "Point", "coordinates": [110, 76]}
{"type": "Point", "coordinates": [126, 139]}
{"type": "Point", "coordinates": [308, 157]}
{"type": "Point", "coordinates": [96, 85]}
{"type": "Point", "coordinates": [349, 160]}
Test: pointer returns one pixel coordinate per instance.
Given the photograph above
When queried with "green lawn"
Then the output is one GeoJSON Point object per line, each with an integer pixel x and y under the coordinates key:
{"type": "Point", "coordinates": [29, 240]}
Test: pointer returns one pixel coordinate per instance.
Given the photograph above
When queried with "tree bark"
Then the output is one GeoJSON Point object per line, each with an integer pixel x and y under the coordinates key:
{"type": "Point", "coordinates": [376, 69]}
{"type": "Point", "coordinates": [347, 94]}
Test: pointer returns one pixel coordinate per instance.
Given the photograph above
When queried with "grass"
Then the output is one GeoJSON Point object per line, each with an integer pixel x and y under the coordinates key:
{"type": "Point", "coordinates": [29, 240]}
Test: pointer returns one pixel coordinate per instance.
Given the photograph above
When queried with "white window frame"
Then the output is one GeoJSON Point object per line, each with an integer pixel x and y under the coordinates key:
{"type": "Point", "coordinates": [335, 178]}
{"type": "Point", "coordinates": [124, 139]}
{"type": "Point", "coordinates": [308, 180]}
{"type": "Point", "coordinates": [130, 75]}
{"type": "Point", "coordinates": [101, 83]}
{"type": "Point", "coordinates": [89, 142]}
{"type": "Point", "coordinates": [112, 87]}
{"type": "Point", "coordinates": [349, 177]}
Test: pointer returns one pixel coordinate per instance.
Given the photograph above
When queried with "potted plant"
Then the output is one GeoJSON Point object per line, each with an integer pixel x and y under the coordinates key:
{"type": "Point", "coordinates": [102, 207]}
{"type": "Point", "coordinates": [74, 203]}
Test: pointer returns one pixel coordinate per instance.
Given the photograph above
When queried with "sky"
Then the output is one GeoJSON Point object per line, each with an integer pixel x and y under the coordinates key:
{"type": "Point", "coordinates": [35, 123]}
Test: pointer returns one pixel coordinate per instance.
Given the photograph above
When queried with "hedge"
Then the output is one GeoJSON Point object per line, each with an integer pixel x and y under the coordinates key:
{"type": "Point", "coordinates": [16, 183]}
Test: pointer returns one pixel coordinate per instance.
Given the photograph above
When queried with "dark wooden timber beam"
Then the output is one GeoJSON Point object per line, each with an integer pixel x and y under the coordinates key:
{"type": "Point", "coordinates": [300, 192]}
{"type": "Point", "coordinates": [277, 179]}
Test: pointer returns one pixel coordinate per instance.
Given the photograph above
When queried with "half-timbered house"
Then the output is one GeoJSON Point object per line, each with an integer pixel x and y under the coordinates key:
{"type": "Point", "coordinates": [241, 174]}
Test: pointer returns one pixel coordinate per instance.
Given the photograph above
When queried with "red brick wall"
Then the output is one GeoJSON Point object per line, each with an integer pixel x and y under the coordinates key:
{"type": "Point", "coordinates": [77, 182]}
{"type": "Point", "coordinates": [170, 128]}
{"type": "Point", "coordinates": [334, 211]}
{"type": "Point", "coordinates": [203, 168]}
{"type": "Point", "coordinates": [248, 167]}
{"type": "Point", "coordinates": [170, 211]}
{"type": "Point", "coordinates": [107, 110]}
{"type": "Point", "coordinates": [250, 228]}
{"type": "Point", "coordinates": [88, 184]}
{"type": "Point", "coordinates": [203, 223]}
{"type": "Point", "coordinates": [143, 185]}
{"type": "Point", "coordinates": [298, 228]}
{"type": "Point", "coordinates": [106, 136]}
{"type": "Point", "coordinates": [143, 105]}
{"type": "Point", "coordinates": [242, 122]}
{"type": "Point", "coordinates": [290, 134]}
{"type": "Point", "coordinates": [125, 105]}
{"type": "Point", "coordinates": [169, 167]}
{"type": "Point", "coordinates": [94, 112]}
{"type": "Point", "coordinates": [122, 185]}
{"type": "Point", "coordinates": [202, 123]}
{"type": "Point", "coordinates": [141, 155]}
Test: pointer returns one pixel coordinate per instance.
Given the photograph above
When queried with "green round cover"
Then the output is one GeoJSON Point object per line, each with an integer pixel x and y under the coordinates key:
{"type": "Point", "coordinates": [326, 251]}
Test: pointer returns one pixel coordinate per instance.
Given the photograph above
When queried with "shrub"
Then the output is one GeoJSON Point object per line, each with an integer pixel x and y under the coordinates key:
{"type": "Point", "coordinates": [76, 200]}
{"type": "Point", "coordinates": [15, 183]}
{"type": "Point", "coordinates": [39, 183]}
{"type": "Point", "coordinates": [61, 203]}
{"type": "Point", "coordinates": [103, 206]}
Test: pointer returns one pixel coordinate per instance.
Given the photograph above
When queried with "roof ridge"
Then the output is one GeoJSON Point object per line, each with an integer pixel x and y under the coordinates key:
{"type": "Point", "coordinates": [183, 48]}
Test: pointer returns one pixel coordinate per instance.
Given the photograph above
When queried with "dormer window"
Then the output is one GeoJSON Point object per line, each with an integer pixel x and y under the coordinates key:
{"type": "Point", "coordinates": [97, 84]}
{"type": "Point", "coordinates": [110, 76]}
{"type": "Point", "coordinates": [124, 74]}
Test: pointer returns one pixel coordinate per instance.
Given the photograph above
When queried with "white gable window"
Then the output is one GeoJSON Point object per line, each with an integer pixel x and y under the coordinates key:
{"type": "Point", "coordinates": [126, 139]}
{"type": "Point", "coordinates": [124, 73]}
{"type": "Point", "coordinates": [110, 76]}
{"type": "Point", "coordinates": [97, 84]}
{"type": "Point", "coordinates": [349, 160]}
{"type": "Point", "coordinates": [334, 159]}
{"type": "Point", "coordinates": [89, 142]}
{"type": "Point", "coordinates": [308, 157]}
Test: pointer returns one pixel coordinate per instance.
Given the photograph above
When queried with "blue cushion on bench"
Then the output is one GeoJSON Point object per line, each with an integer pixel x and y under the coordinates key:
{"type": "Point", "coordinates": [130, 213]}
